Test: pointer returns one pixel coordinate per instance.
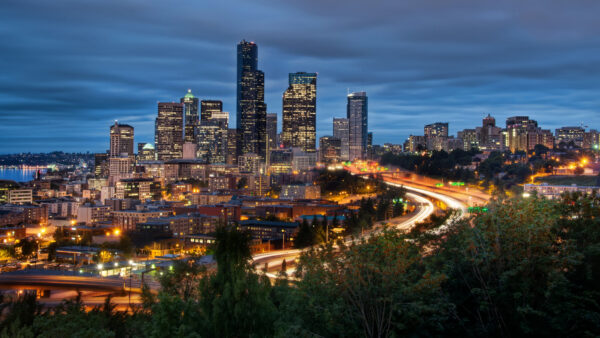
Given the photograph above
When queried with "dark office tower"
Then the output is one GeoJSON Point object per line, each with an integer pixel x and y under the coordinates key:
{"type": "Point", "coordinates": [207, 107]}
{"type": "Point", "coordinates": [329, 149]}
{"type": "Point", "coordinates": [231, 157]}
{"type": "Point", "coordinates": [357, 111]}
{"type": "Point", "coordinates": [341, 131]}
{"type": "Point", "coordinates": [299, 112]}
{"type": "Point", "coordinates": [370, 146]}
{"type": "Point", "coordinates": [489, 121]}
{"type": "Point", "coordinates": [251, 115]}
{"type": "Point", "coordinates": [101, 165]}
{"type": "Point", "coordinates": [168, 134]}
{"type": "Point", "coordinates": [121, 140]}
{"type": "Point", "coordinates": [191, 116]}
{"type": "Point", "coordinates": [272, 131]}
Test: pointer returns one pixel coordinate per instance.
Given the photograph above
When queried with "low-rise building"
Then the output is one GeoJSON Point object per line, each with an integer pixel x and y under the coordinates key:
{"type": "Point", "coordinates": [93, 214]}
{"type": "Point", "coordinates": [299, 191]}
{"type": "Point", "coordinates": [20, 196]}
{"type": "Point", "coordinates": [555, 191]}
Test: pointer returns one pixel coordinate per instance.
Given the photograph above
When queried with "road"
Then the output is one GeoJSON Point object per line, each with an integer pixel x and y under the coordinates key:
{"type": "Point", "coordinates": [272, 261]}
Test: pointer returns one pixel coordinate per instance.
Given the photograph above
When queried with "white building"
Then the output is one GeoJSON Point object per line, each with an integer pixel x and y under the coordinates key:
{"type": "Point", "coordinates": [555, 191]}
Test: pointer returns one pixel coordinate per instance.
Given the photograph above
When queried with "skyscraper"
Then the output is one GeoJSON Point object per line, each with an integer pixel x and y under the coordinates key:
{"type": "Point", "coordinates": [357, 111]}
{"type": "Point", "coordinates": [231, 157]}
{"type": "Point", "coordinates": [207, 107]}
{"type": "Point", "coordinates": [212, 144]}
{"type": "Point", "coordinates": [168, 132]}
{"type": "Point", "coordinates": [341, 131]}
{"type": "Point", "coordinates": [121, 140]}
{"type": "Point", "coordinates": [299, 112]}
{"type": "Point", "coordinates": [251, 115]}
{"type": "Point", "coordinates": [191, 116]}
{"type": "Point", "coordinates": [436, 136]}
{"type": "Point", "coordinates": [272, 131]}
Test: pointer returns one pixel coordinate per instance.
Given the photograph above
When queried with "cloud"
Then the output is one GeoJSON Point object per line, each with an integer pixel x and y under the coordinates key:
{"type": "Point", "coordinates": [70, 68]}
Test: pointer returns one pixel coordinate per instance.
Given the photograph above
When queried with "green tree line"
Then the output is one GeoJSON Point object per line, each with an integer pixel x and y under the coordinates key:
{"type": "Point", "coordinates": [527, 267]}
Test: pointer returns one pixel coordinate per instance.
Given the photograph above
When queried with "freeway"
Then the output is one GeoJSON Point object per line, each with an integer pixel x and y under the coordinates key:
{"type": "Point", "coordinates": [273, 260]}
{"type": "Point", "coordinates": [47, 279]}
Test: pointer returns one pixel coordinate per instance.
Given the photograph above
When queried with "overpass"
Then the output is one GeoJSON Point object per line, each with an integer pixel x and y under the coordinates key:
{"type": "Point", "coordinates": [57, 280]}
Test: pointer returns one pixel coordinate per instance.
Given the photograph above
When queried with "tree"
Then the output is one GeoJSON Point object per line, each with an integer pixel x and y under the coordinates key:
{"type": "Point", "coordinates": [305, 236]}
{"type": "Point", "coordinates": [373, 288]}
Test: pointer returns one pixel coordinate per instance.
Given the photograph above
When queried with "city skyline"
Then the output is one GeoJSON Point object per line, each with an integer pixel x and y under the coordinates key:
{"type": "Point", "coordinates": [62, 94]}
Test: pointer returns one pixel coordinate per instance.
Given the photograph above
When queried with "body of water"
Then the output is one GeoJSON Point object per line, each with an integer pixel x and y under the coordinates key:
{"type": "Point", "coordinates": [18, 175]}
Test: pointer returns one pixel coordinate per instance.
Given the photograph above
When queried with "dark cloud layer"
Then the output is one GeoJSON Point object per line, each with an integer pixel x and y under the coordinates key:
{"type": "Point", "coordinates": [69, 68]}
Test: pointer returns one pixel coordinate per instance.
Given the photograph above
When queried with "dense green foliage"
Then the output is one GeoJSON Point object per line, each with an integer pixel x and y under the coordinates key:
{"type": "Point", "coordinates": [338, 181]}
{"type": "Point", "coordinates": [528, 267]}
{"type": "Point", "coordinates": [438, 164]}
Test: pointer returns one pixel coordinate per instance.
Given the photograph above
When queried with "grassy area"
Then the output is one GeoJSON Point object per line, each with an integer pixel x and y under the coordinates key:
{"type": "Point", "coordinates": [568, 180]}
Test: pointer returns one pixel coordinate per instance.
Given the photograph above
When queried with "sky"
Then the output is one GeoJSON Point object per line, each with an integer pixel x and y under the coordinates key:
{"type": "Point", "coordinates": [69, 68]}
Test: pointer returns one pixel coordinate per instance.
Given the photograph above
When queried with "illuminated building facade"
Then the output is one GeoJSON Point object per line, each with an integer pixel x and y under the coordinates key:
{"type": "Point", "coordinates": [299, 112]}
{"type": "Point", "coordinates": [121, 140]}
{"type": "Point", "coordinates": [212, 140]}
{"type": "Point", "coordinates": [145, 152]}
{"type": "Point", "coordinates": [341, 131]}
{"type": "Point", "coordinates": [436, 136]}
{"type": "Point", "coordinates": [191, 116]}
{"type": "Point", "coordinates": [138, 188]}
{"type": "Point", "coordinates": [231, 157]}
{"type": "Point", "coordinates": [169, 131]}
{"type": "Point", "coordinates": [251, 115]}
{"type": "Point", "coordinates": [567, 135]}
{"type": "Point", "coordinates": [208, 107]}
{"type": "Point", "coordinates": [357, 114]}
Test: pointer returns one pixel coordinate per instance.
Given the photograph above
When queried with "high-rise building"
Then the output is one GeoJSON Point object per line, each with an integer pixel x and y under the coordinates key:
{"type": "Point", "coordinates": [121, 140]}
{"type": "Point", "coordinates": [146, 152]}
{"type": "Point", "coordinates": [212, 145]}
{"type": "Point", "coordinates": [567, 135]}
{"type": "Point", "coordinates": [272, 131]}
{"type": "Point", "coordinates": [329, 149]}
{"type": "Point", "coordinates": [357, 114]}
{"type": "Point", "coordinates": [207, 107]}
{"type": "Point", "coordinates": [370, 145]}
{"type": "Point", "coordinates": [168, 132]}
{"type": "Point", "coordinates": [416, 143]}
{"type": "Point", "coordinates": [101, 165]}
{"type": "Point", "coordinates": [300, 111]}
{"type": "Point", "coordinates": [251, 115]}
{"type": "Point", "coordinates": [231, 157]}
{"type": "Point", "coordinates": [191, 116]}
{"type": "Point", "coordinates": [436, 136]}
{"type": "Point", "coordinates": [470, 139]}
{"type": "Point", "coordinates": [341, 131]}
{"type": "Point", "coordinates": [523, 134]}
{"type": "Point", "coordinates": [490, 136]}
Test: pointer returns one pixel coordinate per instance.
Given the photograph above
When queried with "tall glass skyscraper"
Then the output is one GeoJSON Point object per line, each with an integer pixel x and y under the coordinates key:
{"type": "Point", "coordinates": [341, 131]}
{"type": "Point", "coordinates": [251, 115]}
{"type": "Point", "coordinates": [168, 134]}
{"type": "Point", "coordinates": [357, 110]}
{"type": "Point", "coordinates": [191, 116]}
{"type": "Point", "coordinates": [300, 111]}
{"type": "Point", "coordinates": [272, 131]}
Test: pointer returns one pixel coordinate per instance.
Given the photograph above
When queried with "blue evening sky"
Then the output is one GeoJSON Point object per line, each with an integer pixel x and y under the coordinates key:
{"type": "Point", "coordinates": [69, 68]}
